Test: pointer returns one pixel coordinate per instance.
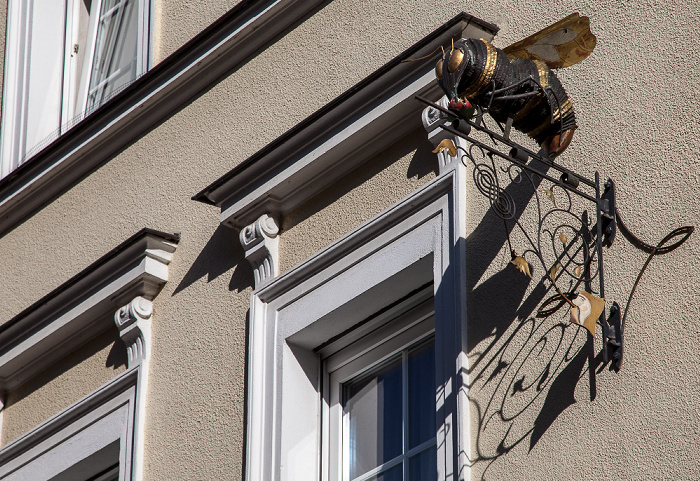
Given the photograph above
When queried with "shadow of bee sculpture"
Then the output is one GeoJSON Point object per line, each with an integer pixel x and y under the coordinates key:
{"type": "Point", "coordinates": [517, 82]}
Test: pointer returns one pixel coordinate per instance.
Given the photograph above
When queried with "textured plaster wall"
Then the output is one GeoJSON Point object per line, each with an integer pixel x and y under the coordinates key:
{"type": "Point", "coordinates": [635, 98]}
{"type": "Point", "coordinates": [177, 21]}
{"type": "Point", "coordinates": [65, 382]}
{"type": "Point", "coordinates": [372, 188]}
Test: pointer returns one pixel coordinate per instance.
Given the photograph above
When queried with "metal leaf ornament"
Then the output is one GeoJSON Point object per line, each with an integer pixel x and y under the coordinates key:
{"type": "Point", "coordinates": [448, 145]}
{"type": "Point", "coordinates": [549, 193]}
{"type": "Point", "coordinates": [522, 265]}
{"type": "Point", "coordinates": [586, 311]}
{"type": "Point", "coordinates": [562, 238]}
{"type": "Point", "coordinates": [553, 272]}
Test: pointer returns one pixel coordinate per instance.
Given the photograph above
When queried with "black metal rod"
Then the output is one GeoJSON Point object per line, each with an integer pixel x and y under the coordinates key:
{"type": "Point", "coordinates": [518, 163]}
{"type": "Point", "coordinates": [512, 86]}
{"type": "Point", "coordinates": [599, 245]}
{"type": "Point", "coordinates": [500, 138]}
{"type": "Point", "coordinates": [517, 96]}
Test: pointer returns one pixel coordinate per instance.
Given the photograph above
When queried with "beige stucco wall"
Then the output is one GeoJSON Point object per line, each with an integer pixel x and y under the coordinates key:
{"type": "Point", "coordinates": [62, 384]}
{"type": "Point", "coordinates": [175, 22]}
{"type": "Point", "coordinates": [635, 102]}
{"type": "Point", "coordinates": [364, 193]}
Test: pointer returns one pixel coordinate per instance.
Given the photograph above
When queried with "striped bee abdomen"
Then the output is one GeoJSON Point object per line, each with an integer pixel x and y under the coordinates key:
{"type": "Point", "coordinates": [474, 68]}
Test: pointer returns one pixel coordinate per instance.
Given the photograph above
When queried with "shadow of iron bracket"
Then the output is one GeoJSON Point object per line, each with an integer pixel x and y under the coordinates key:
{"type": "Point", "coordinates": [581, 259]}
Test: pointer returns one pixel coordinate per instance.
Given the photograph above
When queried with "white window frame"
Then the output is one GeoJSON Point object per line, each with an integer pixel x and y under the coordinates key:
{"type": "Point", "coordinates": [103, 418]}
{"type": "Point", "coordinates": [373, 349]}
{"type": "Point", "coordinates": [418, 241]}
{"type": "Point", "coordinates": [62, 322]}
{"type": "Point", "coordinates": [13, 152]}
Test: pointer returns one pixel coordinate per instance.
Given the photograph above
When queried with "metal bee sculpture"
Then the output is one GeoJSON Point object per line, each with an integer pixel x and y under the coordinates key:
{"type": "Point", "coordinates": [517, 82]}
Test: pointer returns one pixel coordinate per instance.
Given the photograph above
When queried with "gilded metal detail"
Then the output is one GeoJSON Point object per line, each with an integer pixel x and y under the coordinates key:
{"type": "Point", "coordinates": [455, 60]}
{"type": "Point", "coordinates": [487, 74]}
{"type": "Point", "coordinates": [562, 44]}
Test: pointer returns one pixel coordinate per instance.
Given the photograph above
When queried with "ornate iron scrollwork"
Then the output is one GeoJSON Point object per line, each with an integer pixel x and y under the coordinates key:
{"type": "Point", "coordinates": [565, 241]}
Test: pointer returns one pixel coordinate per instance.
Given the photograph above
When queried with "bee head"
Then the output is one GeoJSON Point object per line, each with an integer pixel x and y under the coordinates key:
{"type": "Point", "coordinates": [451, 66]}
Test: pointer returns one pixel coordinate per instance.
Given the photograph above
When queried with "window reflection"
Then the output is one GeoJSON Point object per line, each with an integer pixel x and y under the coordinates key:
{"type": "Point", "coordinates": [389, 419]}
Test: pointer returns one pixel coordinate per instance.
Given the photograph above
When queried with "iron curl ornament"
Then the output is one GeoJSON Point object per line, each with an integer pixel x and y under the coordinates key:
{"type": "Point", "coordinates": [490, 91]}
{"type": "Point", "coordinates": [517, 89]}
{"type": "Point", "coordinates": [564, 240]}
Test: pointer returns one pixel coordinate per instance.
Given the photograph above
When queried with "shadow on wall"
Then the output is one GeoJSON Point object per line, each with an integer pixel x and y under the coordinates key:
{"type": "Point", "coordinates": [422, 166]}
{"type": "Point", "coordinates": [222, 253]}
{"type": "Point", "coordinates": [524, 370]}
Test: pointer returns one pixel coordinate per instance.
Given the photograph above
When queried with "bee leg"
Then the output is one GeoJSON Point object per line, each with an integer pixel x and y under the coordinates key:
{"type": "Point", "coordinates": [553, 146]}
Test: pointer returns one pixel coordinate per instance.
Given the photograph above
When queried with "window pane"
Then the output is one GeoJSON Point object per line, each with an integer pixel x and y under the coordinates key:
{"type": "Point", "coordinates": [44, 55]}
{"type": "Point", "coordinates": [114, 65]}
{"type": "Point", "coordinates": [421, 395]}
{"type": "Point", "coordinates": [374, 415]}
{"type": "Point", "coordinates": [394, 474]}
{"type": "Point", "coordinates": [423, 466]}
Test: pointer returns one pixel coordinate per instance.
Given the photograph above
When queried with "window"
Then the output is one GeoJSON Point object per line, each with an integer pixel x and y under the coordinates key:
{"type": "Point", "coordinates": [323, 334]}
{"type": "Point", "coordinates": [382, 412]}
{"type": "Point", "coordinates": [90, 441]}
{"type": "Point", "coordinates": [64, 58]}
{"type": "Point", "coordinates": [99, 437]}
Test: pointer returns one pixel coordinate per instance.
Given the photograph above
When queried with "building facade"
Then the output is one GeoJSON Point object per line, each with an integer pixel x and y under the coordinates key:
{"type": "Point", "coordinates": [230, 250]}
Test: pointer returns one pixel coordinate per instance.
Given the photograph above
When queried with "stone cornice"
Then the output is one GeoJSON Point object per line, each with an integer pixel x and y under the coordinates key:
{"type": "Point", "coordinates": [340, 136]}
{"type": "Point", "coordinates": [222, 47]}
{"type": "Point", "coordinates": [84, 306]}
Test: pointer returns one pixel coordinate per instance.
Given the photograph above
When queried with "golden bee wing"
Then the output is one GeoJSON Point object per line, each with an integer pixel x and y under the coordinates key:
{"type": "Point", "coordinates": [562, 44]}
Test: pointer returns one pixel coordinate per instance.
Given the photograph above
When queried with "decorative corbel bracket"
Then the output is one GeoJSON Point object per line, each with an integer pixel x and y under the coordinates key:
{"type": "Point", "coordinates": [433, 120]}
{"type": "Point", "coordinates": [260, 241]}
{"type": "Point", "coordinates": [134, 324]}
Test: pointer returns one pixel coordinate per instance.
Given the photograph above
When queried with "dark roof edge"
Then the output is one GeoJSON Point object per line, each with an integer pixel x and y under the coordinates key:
{"type": "Point", "coordinates": [18, 187]}
{"type": "Point", "coordinates": [203, 196]}
{"type": "Point", "coordinates": [114, 253]}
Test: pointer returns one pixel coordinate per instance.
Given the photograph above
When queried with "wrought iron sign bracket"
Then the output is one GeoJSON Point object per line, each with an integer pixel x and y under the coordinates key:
{"type": "Point", "coordinates": [565, 243]}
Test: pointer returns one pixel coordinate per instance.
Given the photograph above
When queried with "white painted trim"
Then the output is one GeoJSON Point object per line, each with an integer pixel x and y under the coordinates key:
{"type": "Point", "coordinates": [84, 308]}
{"type": "Point", "coordinates": [106, 415]}
{"type": "Point", "coordinates": [419, 240]}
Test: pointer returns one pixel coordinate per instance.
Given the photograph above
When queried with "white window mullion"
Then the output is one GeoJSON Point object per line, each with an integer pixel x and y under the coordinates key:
{"type": "Point", "coordinates": [110, 26]}
{"type": "Point", "coordinates": [90, 45]}
{"type": "Point", "coordinates": [13, 115]}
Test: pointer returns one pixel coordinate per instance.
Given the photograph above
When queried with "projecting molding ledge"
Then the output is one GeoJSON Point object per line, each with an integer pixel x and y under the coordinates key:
{"type": "Point", "coordinates": [123, 281]}
{"type": "Point", "coordinates": [339, 137]}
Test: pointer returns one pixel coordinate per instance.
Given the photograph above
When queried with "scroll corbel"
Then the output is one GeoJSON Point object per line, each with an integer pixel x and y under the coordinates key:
{"type": "Point", "coordinates": [260, 241]}
{"type": "Point", "coordinates": [134, 324]}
